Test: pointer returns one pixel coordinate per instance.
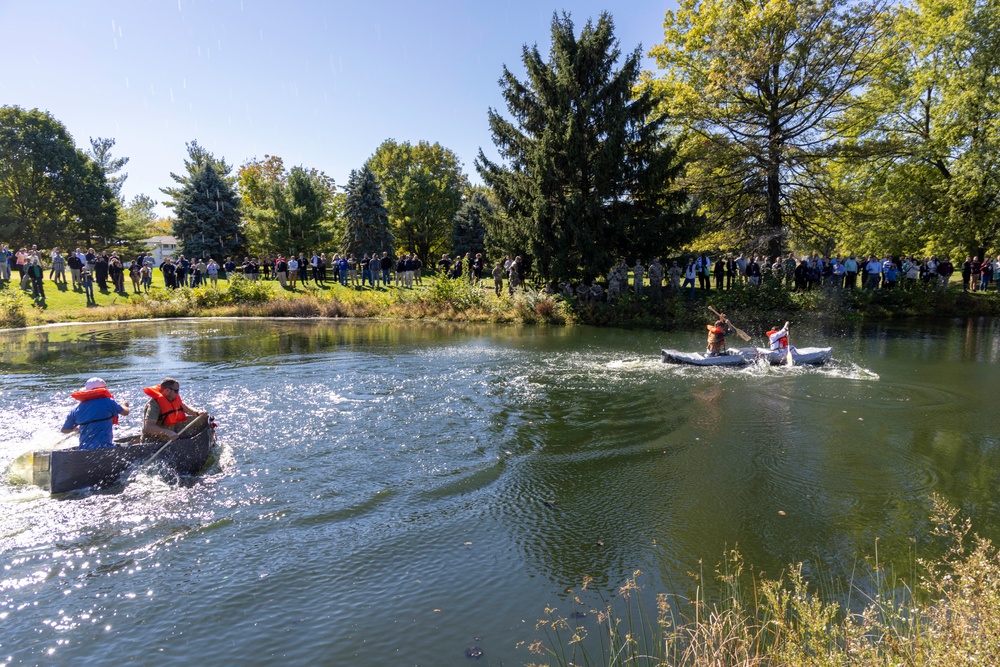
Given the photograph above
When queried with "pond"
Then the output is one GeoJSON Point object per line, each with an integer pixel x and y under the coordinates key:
{"type": "Point", "coordinates": [398, 493]}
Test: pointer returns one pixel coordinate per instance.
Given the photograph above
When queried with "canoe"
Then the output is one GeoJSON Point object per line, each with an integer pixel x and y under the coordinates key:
{"type": "Point", "coordinates": [62, 470]}
{"type": "Point", "coordinates": [801, 356]}
{"type": "Point", "coordinates": [738, 357]}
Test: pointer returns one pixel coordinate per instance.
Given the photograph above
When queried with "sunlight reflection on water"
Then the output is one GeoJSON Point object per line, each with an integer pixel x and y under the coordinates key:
{"type": "Point", "coordinates": [371, 474]}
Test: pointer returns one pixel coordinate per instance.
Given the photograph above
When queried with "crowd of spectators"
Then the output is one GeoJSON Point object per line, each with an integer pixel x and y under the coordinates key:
{"type": "Point", "coordinates": [107, 269]}
{"type": "Point", "coordinates": [797, 273]}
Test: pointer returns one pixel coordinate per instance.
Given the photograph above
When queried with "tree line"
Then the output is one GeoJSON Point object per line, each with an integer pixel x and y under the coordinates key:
{"type": "Point", "coordinates": [811, 125]}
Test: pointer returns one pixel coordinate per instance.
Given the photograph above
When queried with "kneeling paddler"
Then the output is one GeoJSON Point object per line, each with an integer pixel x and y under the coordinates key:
{"type": "Point", "coordinates": [166, 414]}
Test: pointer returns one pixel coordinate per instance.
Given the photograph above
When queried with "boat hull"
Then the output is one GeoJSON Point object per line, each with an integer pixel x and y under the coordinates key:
{"type": "Point", "coordinates": [804, 356]}
{"type": "Point", "coordinates": [63, 470]}
{"type": "Point", "coordinates": [740, 357]}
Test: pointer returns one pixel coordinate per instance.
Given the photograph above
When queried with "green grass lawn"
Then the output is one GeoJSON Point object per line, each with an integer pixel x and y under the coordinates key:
{"type": "Point", "coordinates": [63, 302]}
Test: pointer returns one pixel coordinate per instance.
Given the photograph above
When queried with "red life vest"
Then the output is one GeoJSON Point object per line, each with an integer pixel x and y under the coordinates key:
{"type": "Point", "coordinates": [90, 394]}
{"type": "Point", "coordinates": [782, 342]}
{"type": "Point", "coordinates": [171, 412]}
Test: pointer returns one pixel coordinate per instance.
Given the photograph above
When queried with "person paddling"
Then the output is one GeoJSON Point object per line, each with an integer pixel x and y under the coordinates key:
{"type": "Point", "coordinates": [165, 414]}
{"type": "Point", "coordinates": [778, 338]}
{"type": "Point", "coordinates": [717, 336]}
{"type": "Point", "coordinates": [95, 416]}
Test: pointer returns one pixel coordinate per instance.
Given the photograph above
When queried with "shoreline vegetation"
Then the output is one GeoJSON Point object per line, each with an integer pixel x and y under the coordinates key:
{"type": "Point", "coordinates": [946, 612]}
{"type": "Point", "coordinates": [457, 300]}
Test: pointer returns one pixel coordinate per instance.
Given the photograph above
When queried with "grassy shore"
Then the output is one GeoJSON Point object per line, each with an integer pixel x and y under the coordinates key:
{"type": "Point", "coordinates": [457, 300]}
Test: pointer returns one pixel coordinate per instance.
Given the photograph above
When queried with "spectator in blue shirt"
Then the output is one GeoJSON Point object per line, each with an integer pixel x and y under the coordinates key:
{"type": "Point", "coordinates": [95, 415]}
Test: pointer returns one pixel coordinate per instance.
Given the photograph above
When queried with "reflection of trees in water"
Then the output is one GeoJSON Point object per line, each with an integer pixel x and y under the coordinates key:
{"type": "Point", "coordinates": [220, 340]}
{"type": "Point", "coordinates": [242, 339]}
{"type": "Point", "coordinates": [56, 349]}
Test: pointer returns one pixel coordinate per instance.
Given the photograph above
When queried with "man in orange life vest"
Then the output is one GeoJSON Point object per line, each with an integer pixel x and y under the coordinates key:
{"type": "Point", "coordinates": [94, 416]}
{"type": "Point", "coordinates": [717, 336]}
{"type": "Point", "coordinates": [166, 413]}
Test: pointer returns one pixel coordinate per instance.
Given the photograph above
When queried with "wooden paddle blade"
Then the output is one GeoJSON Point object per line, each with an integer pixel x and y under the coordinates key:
{"type": "Point", "coordinates": [742, 334]}
{"type": "Point", "coordinates": [789, 359]}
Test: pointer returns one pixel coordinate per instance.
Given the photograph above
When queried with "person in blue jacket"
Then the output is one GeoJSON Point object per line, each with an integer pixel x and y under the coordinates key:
{"type": "Point", "coordinates": [95, 416]}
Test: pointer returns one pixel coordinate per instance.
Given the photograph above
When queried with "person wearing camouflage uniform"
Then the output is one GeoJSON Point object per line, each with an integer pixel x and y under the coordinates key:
{"type": "Point", "coordinates": [656, 279]}
{"type": "Point", "coordinates": [637, 271]}
{"type": "Point", "coordinates": [789, 267]}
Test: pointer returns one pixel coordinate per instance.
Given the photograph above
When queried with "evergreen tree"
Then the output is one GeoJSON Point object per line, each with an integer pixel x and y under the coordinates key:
{"type": "Point", "coordinates": [198, 157]}
{"type": "Point", "coordinates": [307, 209]}
{"type": "Point", "coordinates": [100, 152]}
{"type": "Point", "coordinates": [588, 166]}
{"type": "Point", "coordinates": [133, 225]}
{"type": "Point", "coordinates": [208, 216]}
{"type": "Point", "coordinates": [366, 220]}
{"type": "Point", "coordinates": [468, 227]}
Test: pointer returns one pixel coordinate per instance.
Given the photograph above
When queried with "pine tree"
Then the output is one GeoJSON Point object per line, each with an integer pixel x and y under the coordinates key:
{"type": "Point", "coordinates": [198, 157]}
{"type": "Point", "coordinates": [468, 227]}
{"type": "Point", "coordinates": [208, 216]}
{"type": "Point", "coordinates": [588, 164]}
{"type": "Point", "coordinates": [366, 220]}
{"type": "Point", "coordinates": [306, 209]}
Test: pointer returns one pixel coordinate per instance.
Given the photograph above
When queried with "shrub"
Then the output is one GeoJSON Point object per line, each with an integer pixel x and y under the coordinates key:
{"type": "Point", "coordinates": [456, 291]}
{"type": "Point", "coordinates": [242, 290]}
{"type": "Point", "coordinates": [13, 307]}
{"type": "Point", "coordinates": [208, 297]}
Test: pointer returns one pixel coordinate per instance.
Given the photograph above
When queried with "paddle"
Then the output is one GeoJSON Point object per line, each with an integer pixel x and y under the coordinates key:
{"type": "Point", "coordinates": [62, 440]}
{"type": "Point", "coordinates": [182, 434]}
{"type": "Point", "coordinates": [739, 332]}
{"type": "Point", "coordinates": [789, 359]}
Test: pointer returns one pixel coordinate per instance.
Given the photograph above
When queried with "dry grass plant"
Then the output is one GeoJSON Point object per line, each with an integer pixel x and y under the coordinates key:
{"type": "Point", "coordinates": [951, 617]}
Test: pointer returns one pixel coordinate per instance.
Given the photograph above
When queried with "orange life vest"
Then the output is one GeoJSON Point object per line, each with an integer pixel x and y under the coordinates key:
{"type": "Point", "coordinates": [782, 342]}
{"type": "Point", "coordinates": [90, 394]}
{"type": "Point", "coordinates": [171, 412]}
{"type": "Point", "coordinates": [716, 337]}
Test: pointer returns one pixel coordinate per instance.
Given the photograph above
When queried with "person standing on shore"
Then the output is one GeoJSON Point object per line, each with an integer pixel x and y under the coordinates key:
{"type": "Point", "coordinates": [36, 275]}
{"type": "Point", "coordinates": [498, 278]}
{"type": "Point", "coordinates": [655, 272]}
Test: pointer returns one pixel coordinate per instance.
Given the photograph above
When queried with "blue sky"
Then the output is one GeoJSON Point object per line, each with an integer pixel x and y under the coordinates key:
{"type": "Point", "coordinates": [320, 84]}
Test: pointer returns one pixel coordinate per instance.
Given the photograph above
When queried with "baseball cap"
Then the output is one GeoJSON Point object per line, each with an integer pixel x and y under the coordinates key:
{"type": "Point", "coordinates": [95, 383]}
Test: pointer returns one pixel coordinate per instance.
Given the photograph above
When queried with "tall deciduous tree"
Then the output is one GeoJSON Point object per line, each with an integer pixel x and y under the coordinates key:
{"type": "Point", "coordinates": [286, 211]}
{"type": "Point", "coordinates": [758, 85]}
{"type": "Point", "coordinates": [366, 219]}
{"type": "Point", "coordinates": [588, 165]}
{"type": "Point", "coordinates": [929, 134]}
{"type": "Point", "coordinates": [208, 215]}
{"type": "Point", "coordinates": [258, 182]}
{"type": "Point", "coordinates": [422, 185]}
{"type": "Point", "coordinates": [51, 193]}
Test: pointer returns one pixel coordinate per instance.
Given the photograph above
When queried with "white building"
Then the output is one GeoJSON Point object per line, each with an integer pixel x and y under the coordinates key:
{"type": "Point", "coordinates": [162, 247]}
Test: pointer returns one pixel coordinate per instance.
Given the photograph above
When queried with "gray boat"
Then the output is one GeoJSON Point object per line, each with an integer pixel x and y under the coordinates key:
{"type": "Point", "coordinates": [62, 470]}
{"type": "Point", "coordinates": [801, 356]}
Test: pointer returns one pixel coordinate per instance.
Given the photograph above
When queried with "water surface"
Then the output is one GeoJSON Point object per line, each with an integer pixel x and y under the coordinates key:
{"type": "Point", "coordinates": [397, 493]}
